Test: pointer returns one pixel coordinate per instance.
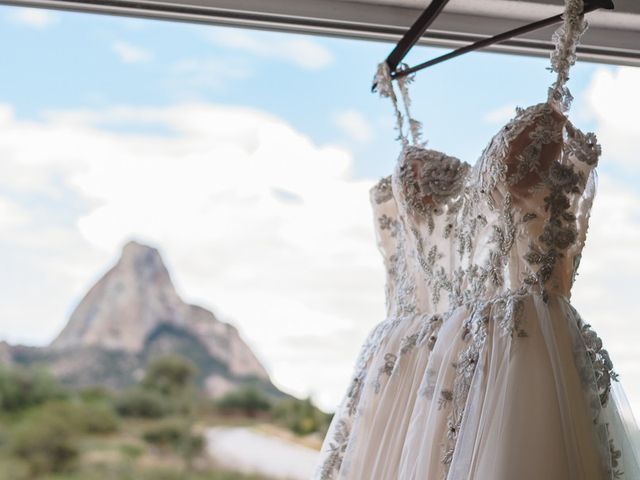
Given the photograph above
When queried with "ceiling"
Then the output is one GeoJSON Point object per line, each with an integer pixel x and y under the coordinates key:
{"type": "Point", "coordinates": [613, 36]}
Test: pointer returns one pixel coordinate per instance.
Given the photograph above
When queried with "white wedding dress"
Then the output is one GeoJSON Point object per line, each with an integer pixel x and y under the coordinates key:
{"type": "Point", "coordinates": [482, 369]}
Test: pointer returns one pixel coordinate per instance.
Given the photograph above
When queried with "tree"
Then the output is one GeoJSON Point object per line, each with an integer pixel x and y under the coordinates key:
{"type": "Point", "coordinates": [174, 377]}
{"type": "Point", "coordinates": [170, 375]}
{"type": "Point", "coordinates": [177, 434]}
{"type": "Point", "coordinates": [21, 388]}
{"type": "Point", "coordinates": [301, 416]}
{"type": "Point", "coordinates": [142, 403]}
{"type": "Point", "coordinates": [248, 400]}
{"type": "Point", "coordinates": [45, 443]}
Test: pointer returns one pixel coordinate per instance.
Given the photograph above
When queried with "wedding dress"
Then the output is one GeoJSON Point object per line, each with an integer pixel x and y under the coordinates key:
{"type": "Point", "coordinates": [482, 369]}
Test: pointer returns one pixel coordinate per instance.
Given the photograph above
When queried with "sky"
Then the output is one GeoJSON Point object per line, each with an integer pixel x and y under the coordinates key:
{"type": "Point", "coordinates": [246, 158]}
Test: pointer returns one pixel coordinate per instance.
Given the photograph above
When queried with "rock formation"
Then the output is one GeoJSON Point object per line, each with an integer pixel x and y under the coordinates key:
{"type": "Point", "coordinates": [133, 314]}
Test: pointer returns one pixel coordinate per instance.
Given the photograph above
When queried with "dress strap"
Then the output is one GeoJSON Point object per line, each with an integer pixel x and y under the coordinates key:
{"type": "Point", "coordinates": [566, 39]}
{"type": "Point", "coordinates": [384, 83]}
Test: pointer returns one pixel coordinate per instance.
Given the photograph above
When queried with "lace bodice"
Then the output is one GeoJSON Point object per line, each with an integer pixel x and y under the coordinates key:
{"type": "Point", "coordinates": [451, 233]}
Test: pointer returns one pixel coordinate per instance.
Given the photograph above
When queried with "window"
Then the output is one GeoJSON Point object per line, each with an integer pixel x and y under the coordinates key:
{"type": "Point", "coordinates": [246, 158]}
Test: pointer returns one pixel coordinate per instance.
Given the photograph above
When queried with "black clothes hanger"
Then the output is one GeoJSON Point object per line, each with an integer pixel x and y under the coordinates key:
{"type": "Point", "coordinates": [433, 10]}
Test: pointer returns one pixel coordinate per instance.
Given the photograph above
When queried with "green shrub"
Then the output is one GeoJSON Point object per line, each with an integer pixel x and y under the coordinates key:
{"type": "Point", "coordinates": [175, 434]}
{"type": "Point", "coordinates": [96, 394]}
{"type": "Point", "coordinates": [22, 388]}
{"type": "Point", "coordinates": [170, 375]}
{"type": "Point", "coordinates": [45, 443]}
{"type": "Point", "coordinates": [248, 400]}
{"type": "Point", "coordinates": [97, 418]}
{"type": "Point", "coordinates": [81, 417]}
{"type": "Point", "coordinates": [169, 432]}
{"type": "Point", "coordinates": [301, 416]}
{"type": "Point", "coordinates": [142, 403]}
{"type": "Point", "coordinates": [14, 469]}
{"type": "Point", "coordinates": [151, 473]}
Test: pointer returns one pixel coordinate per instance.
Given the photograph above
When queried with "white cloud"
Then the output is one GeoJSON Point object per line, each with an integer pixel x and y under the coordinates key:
{"type": "Point", "coordinates": [6, 113]}
{"type": "Point", "coordinates": [12, 216]}
{"type": "Point", "coordinates": [130, 53]}
{"type": "Point", "coordinates": [606, 288]}
{"type": "Point", "coordinates": [254, 219]}
{"type": "Point", "coordinates": [303, 52]}
{"type": "Point", "coordinates": [33, 17]}
{"type": "Point", "coordinates": [501, 115]}
{"type": "Point", "coordinates": [613, 101]}
{"type": "Point", "coordinates": [354, 124]}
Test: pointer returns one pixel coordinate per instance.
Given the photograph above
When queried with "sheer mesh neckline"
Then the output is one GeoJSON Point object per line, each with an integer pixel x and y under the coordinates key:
{"type": "Point", "coordinates": [473, 171]}
{"type": "Point", "coordinates": [472, 167]}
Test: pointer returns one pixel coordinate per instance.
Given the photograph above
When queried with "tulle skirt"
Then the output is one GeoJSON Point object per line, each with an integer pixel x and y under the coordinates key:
{"type": "Point", "coordinates": [511, 388]}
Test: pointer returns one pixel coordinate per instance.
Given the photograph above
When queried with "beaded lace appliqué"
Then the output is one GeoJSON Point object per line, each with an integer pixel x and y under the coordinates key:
{"type": "Point", "coordinates": [459, 203]}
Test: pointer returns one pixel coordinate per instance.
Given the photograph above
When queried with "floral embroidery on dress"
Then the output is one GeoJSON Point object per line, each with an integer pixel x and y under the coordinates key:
{"type": "Point", "coordinates": [563, 184]}
{"type": "Point", "coordinates": [616, 455]}
{"type": "Point", "coordinates": [597, 373]}
{"type": "Point", "coordinates": [387, 223]}
{"type": "Point", "coordinates": [584, 146]}
{"type": "Point", "coordinates": [429, 173]}
{"type": "Point", "coordinates": [382, 190]}
{"type": "Point", "coordinates": [475, 333]}
{"type": "Point", "coordinates": [386, 368]}
{"type": "Point", "coordinates": [507, 313]}
{"type": "Point", "coordinates": [384, 85]}
{"type": "Point", "coordinates": [484, 242]}
{"type": "Point", "coordinates": [445, 397]}
{"type": "Point", "coordinates": [337, 448]}
{"type": "Point", "coordinates": [566, 39]}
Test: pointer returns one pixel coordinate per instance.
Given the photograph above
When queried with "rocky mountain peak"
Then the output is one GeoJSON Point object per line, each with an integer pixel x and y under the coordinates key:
{"type": "Point", "coordinates": [135, 303]}
{"type": "Point", "coordinates": [142, 259]}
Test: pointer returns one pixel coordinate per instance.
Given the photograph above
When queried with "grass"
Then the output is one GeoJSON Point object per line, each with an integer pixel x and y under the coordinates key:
{"type": "Point", "coordinates": [124, 455]}
{"type": "Point", "coordinates": [151, 474]}
{"type": "Point", "coordinates": [90, 435]}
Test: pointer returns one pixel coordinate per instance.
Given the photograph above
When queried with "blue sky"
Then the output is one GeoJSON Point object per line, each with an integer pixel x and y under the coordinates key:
{"type": "Point", "coordinates": [114, 128]}
{"type": "Point", "coordinates": [74, 62]}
